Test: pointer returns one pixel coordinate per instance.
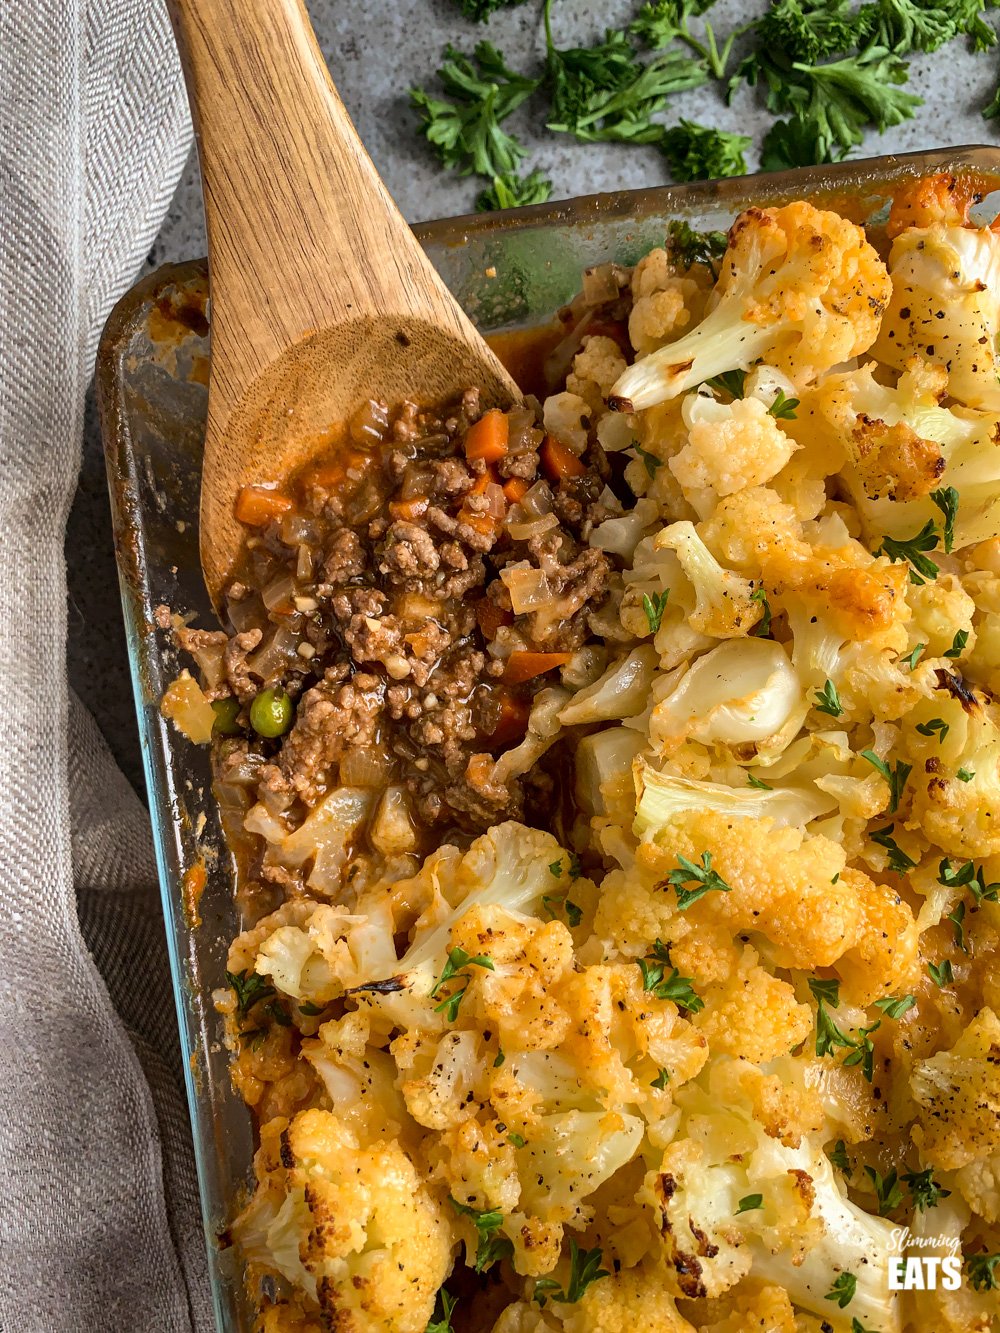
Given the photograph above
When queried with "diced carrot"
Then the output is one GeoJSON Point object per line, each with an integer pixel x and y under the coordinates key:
{"type": "Point", "coordinates": [481, 483]}
{"type": "Point", "coordinates": [559, 462]}
{"type": "Point", "coordinates": [516, 489]}
{"type": "Point", "coordinates": [409, 509]}
{"type": "Point", "coordinates": [333, 472]}
{"type": "Point", "coordinates": [484, 523]}
{"type": "Point", "coordinates": [512, 722]}
{"type": "Point", "coordinates": [526, 666]}
{"type": "Point", "coordinates": [491, 617]}
{"type": "Point", "coordinates": [488, 437]}
{"type": "Point", "coordinates": [258, 505]}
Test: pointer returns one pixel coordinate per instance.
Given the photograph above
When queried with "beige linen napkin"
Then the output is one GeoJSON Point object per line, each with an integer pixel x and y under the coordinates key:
{"type": "Point", "coordinates": [98, 1218]}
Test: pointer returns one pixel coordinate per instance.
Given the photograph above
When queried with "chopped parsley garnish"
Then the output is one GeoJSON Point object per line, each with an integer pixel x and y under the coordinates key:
{"type": "Point", "coordinates": [888, 1190]}
{"type": "Point", "coordinates": [967, 876]}
{"type": "Point", "coordinates": [843, 1290]}
{"type": "Point", "coordinates": [828, 700]}
{"type": "Point", "coordinates": [555, 868]}
{"type": "Point", "coordinates": [491, 1246]}
{"type": "Point", "coordinates": [250, 989]}
{"type": "Point", "coordinates": [654, 608]}
{"type": "Point", "coordinates": [914, 657]}
{"type": "Point", "coordinates": [500, 1058]}
{"type": "Point", "coordinates": [958, 643]}
{"type": "Point", "coordinates": [661, 1080]}
{"type": "Point", "coordinates": [518, 1140]}
{"type": "Point", "coordinates": [838, 1156]}
{"type": "Point", "coordinates": [895, 1006]}
{"type": "Point", "coordinates": [554, 904]}
{"type": "Point", "coordinates": [441, 1323]}
{"type": "Point", "coordinates": [754, 781]}
{"type": "Point", "coordinates": [664, 986]}
{"type": "Point", "coordinates": [650, 461]}
{"type": "Point", "coordinates": [957, 918]}
{"type": "Point", "coordinates": [898, 859]}
{"type": "Point", "coordinates": [914, 550]}
{"type": "Point", "coordinates": [830, 1037]}
{"type": "Point", "coordinates": [688, 247]}
{"type": "Point", "coordinates": [946, 500]}
{"type": "Point", "coordinates": [584, 1268]}
{"type": "Point", "coordinates": [707, 880]}
{"type": "Point", "coordinates": [982, 1271]}
{"type": "Point", "coordinates": [749, 1203]}
{"type": "Point", "coordinates": [941, 973]}
{"type": "Point", "coordinates": [783, 408]}
{"type": "Point", "coordinates": [896, 777]}
{"type": "Point", "coordinates": [936, 726]}
{"type": "Point", "coordinates": [858, 1327]}
{"type": "Point", "coordinates": [309, 1009]}
{"type": "Point", "coordinates": [456, 960]}
{"type": "Point", "coordinates": [924, 1189]}
{"type": "Point", "coordinates": [732, 382]}
{"type": "Point", "coordinates": [763, 628]}
{"type": "Point", "coordinates": [965, 775]}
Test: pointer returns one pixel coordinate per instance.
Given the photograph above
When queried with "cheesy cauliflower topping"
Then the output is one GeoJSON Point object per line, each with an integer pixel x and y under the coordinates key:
{"type": "Point", "coordinates": [719, 1059]}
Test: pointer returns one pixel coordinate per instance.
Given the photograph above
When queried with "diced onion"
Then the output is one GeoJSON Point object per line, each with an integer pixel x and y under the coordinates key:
{"type": "Point", "coordinates": [366, 766]}
{"type": "Point", "coordinates": [279, 591]}
{"type": "Point", "coordinates": [537, 500]}
{"type": "Point", "coordinates": [521, 528]}
{"type": "Point", "coordinates": [370, 423]}
{"type": "Point", "coordinates": [528, 586]}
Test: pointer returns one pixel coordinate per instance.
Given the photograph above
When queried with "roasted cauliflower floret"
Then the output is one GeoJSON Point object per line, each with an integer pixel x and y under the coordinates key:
{"type": "Point", "coordinates": [945, 307]}
{"type": "Point", "coordinates": [730, 446]}
{"type": "Point", "coordinates": [596, 367]}
{"type": "Point", "coordinates": [350, 1226]}
{"type": "Point", "coordinates": [958, 1093]}
{"type": "Point", "coordinates": [799, 286]}
{"type": "Point", "coordinates": [753, 1014]}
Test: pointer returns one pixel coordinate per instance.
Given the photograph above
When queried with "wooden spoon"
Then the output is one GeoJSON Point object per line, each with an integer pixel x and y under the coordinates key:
{"type": "Point", "coordinates": [321, 296]}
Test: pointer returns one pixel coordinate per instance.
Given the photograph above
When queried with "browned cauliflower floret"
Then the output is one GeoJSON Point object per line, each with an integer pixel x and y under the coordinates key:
{"type": "Point", "coordinates": [596, 367]}
{"type": "Point", "coordinates": [635, 1298]}
{"type": "Point", "coordinates": [352, 1227]}
{"type": "Point", "coordinates": [792, 890]}
{"type": "Point", "coordinates": [730, 446]}
{"type": "Point", "coordinates": [752, 1013]}
{"type": "Point", "coordinates": [958, 1093]}
{"type": "Point", "coordinates": [798, 286]}
{"type": "Point", "coordinates": [751, 1309]}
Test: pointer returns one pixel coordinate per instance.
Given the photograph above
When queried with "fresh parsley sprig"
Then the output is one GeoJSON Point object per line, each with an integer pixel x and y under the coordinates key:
{"type": "Point", "coordinates": [706, 879]}
{"type": "Point", "coordinates": [584, 1268]}
{"type": "Point", "coordinates": [491, 1245]}
{"type": "Point", "coordinates": [668, 986]}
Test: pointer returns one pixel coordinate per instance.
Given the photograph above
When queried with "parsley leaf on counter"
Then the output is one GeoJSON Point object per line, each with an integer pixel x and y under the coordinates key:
{"type": "Point", "coordinates": [665, 21]}
{"type": "Point", "coordinates": [478, 11]}
{"type": "Point", "coordinates": [467, 132]}
{"type": "Point", "coordinates": [603, 93]}
{"type": "Point", "coordinates": [511, 191]}
{"type": "Point", "coordinates": [699, 152]}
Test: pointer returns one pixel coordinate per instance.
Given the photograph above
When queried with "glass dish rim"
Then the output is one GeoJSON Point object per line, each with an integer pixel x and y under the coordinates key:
{"type": "Point", "coordinates": [454, 233]}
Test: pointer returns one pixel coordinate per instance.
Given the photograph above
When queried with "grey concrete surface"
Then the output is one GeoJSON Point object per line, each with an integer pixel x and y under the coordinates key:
{"type": "Point", "coordinates": [377, 50]}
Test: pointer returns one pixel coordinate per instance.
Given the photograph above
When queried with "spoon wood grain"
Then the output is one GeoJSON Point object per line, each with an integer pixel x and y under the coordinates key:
{"type": "Point", "coordinates": [321, 296]}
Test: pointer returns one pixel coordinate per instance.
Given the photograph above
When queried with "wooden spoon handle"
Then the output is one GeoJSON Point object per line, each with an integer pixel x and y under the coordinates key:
{"type": "Point", "coordinates": [302, 232]}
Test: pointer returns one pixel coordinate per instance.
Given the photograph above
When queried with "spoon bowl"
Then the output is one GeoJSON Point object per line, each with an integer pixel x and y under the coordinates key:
{"type": "Point", "coordinates": [321, 296]}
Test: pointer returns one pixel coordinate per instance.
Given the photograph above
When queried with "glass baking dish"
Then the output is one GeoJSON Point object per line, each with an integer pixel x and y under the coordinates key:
{"type": "Point", "coordinates": [509, 270]}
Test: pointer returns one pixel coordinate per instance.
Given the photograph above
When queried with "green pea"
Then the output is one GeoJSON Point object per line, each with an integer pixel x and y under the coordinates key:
{"type": "Point", "coordinates": [271, 713]}
{"type": "Point", "coordinates": [226, 712]}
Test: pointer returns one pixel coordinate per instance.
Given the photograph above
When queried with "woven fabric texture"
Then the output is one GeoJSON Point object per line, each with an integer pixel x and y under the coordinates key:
{"type": "Point", "coordinates": [98, 1211]}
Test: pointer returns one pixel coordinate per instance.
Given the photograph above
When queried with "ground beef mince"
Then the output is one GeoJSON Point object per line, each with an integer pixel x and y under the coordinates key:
{"type": "Point", "coordinates": [373, 595]}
